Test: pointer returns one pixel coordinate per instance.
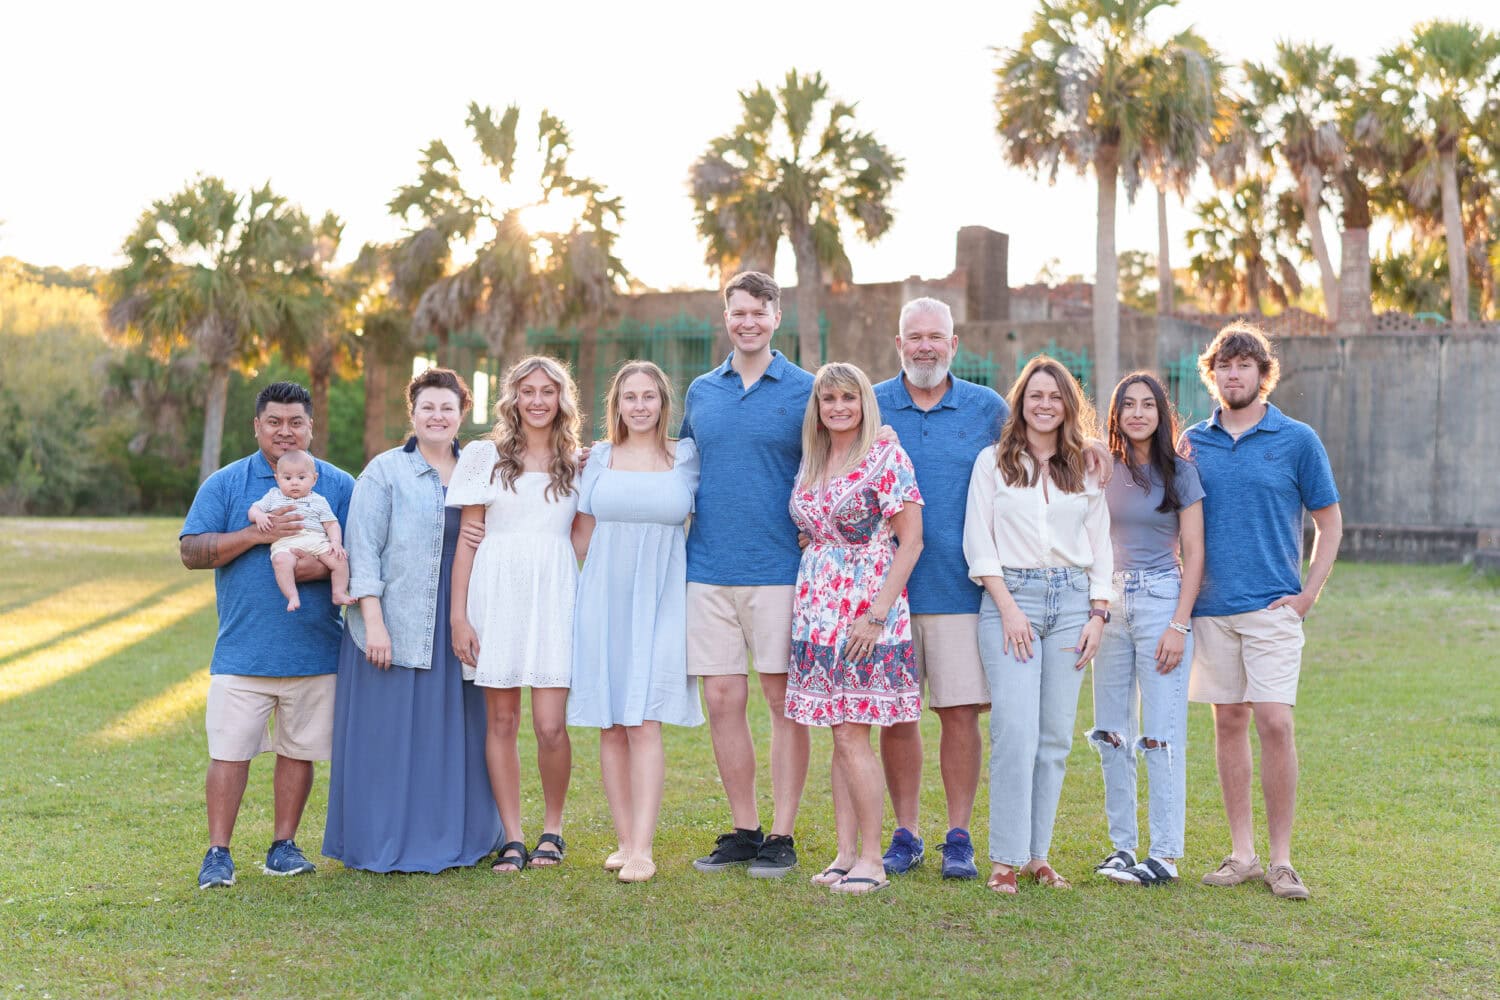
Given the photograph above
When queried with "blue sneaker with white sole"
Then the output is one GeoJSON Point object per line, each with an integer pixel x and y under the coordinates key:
{"type": "Point", "coordinates": [217, 870]}
{"type": "Point", "coordinates": [958, 855]}
{"type": "Point", "coordinates": [904, 854]}
{"type": "Point", "coordinates": [286, 858]}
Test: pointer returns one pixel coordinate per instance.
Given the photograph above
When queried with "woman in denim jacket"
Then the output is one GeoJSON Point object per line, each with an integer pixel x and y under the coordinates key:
{"type": "Point", "coordinates": [408, 789]}
{"type": "Point", "coordinates": [1155, 510]}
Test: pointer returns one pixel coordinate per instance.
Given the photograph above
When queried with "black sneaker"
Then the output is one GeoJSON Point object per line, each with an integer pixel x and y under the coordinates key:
{"type": "Point", "coordinates": [777, 857]}
{"type": "Point", "coordinates": [736, 848]}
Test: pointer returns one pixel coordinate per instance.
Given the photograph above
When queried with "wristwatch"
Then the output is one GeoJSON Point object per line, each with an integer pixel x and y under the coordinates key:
{"type": "Point", "coordinates": [1099, 613]}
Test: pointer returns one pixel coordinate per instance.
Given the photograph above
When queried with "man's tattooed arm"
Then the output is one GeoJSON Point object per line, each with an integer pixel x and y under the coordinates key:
{"type": "Point", "coordinates": [211, 550]}
{"type": "Point", "coordinates": [199, 551]}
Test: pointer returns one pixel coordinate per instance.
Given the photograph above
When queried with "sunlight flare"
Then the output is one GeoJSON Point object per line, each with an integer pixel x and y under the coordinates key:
{"type": "Point", "coordinates": [158, 714]}
{"type": "Point", "coordinates": [81, 652]}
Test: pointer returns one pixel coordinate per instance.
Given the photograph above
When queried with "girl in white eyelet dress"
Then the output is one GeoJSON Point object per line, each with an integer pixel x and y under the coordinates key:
{"type": "Point", "coordinates": [512, 599]}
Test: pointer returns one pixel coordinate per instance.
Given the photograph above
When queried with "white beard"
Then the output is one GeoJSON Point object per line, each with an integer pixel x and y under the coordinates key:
{"type": "Point", "coordinates": [926, 376]}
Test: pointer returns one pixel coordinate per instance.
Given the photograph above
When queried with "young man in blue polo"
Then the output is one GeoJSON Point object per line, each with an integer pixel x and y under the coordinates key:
{"type": "Point", "coordinates": [943, 422]}
{"type": "Point", "coordinates": [746, 418]}
{"type": "Point", "coordinates": [1260, 470]}
{"type": "Point", "coordinates": [266, 662]}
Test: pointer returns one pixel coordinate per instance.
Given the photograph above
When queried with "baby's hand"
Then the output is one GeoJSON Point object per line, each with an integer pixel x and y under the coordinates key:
{"type": "Point", "coordinates": [337, 551]}
{"type": "Point", "coordinates": [261, 519]}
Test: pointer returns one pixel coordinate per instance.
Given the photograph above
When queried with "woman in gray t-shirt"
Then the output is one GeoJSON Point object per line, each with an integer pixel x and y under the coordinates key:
{"type": "Point", "coordinates": [1155, 512]}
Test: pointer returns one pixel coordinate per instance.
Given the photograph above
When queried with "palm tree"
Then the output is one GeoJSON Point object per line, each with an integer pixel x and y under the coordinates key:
{"type": "Point", "coordinates": [223, 272]}
{"type": "Point", "coordinates": [1294, 106]}
{"type": "Point", "coordinates": [1240, 256]}
{"type": "Point", "coordinates": [1077, 89]}
{"type": "Point", "coordinates": [1433, 87]}
{"type": "Point", "coordinates": [524, 273]}
{"type": "Point", "coordinates": [1187, 105]}
{"type": "Point", "coordinates": [796, 167]}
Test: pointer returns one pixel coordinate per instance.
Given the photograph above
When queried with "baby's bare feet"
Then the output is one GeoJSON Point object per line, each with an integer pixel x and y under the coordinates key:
{"type": "Point", "coordinates": [293, 604]}
{"type": "Point", "coordinates": [343, 598]}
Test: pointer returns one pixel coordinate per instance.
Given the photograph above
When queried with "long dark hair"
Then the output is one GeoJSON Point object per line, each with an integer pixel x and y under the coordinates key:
{"type": "Point", "coordinates": [1163, 454]}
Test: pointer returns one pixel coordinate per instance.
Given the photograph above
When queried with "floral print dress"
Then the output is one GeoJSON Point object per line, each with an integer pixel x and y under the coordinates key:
{"type": "Point", "coordinates": [849, 553]}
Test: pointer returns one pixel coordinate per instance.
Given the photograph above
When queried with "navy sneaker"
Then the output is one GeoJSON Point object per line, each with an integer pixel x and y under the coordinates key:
{"type": "Point", "coordinates": [217, 870]}
{"type": "Point", "coordinates": [904, 854]}
{"type": "Point", "coordinates": [286, 858]}
{"type": "Point", "coordinates": [738, 847]}
{"type": "Point", "coordinates": [958, 855]}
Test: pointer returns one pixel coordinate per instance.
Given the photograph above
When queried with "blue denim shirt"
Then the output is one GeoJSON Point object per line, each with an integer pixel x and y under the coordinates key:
{"type": "Point", "coordinates": [395, 545]}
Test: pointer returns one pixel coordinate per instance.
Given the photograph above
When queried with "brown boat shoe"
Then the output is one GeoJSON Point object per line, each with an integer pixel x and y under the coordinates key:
{"type": "Point", "coordinates": [1232, 871]}
{"type": "Point", "coordinates": [1285, 884]}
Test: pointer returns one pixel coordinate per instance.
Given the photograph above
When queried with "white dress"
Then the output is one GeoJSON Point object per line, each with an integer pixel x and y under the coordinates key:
{"type": "Point", "coordinates": [525, 576]}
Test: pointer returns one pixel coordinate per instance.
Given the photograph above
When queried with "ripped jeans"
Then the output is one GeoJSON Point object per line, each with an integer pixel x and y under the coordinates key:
{"type": "Point", "coordinates": [1124, 669]}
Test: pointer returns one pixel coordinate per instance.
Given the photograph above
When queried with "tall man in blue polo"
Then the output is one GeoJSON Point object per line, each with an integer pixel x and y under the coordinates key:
{"type": "Point", "coordinates": [746, 419]}
{"type": "Point", "coordinates": [1260, 470]}
{"type": "Point", "coordinates": [943, 423]}
{"type": "Point", "coordinates": [267, 661]}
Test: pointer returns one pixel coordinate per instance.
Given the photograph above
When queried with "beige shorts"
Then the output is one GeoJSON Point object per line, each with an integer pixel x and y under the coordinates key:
{"type": "Point", "coordinates": [1255, 656]}
{"type": "Point", "coordinates": [948, 663]}
{"type": "Point", "coordinates": [240, 709]}
{"type": "Point", "coordinates": [726, 623]}
{"type": "Point", "coordinates": [314, 543]}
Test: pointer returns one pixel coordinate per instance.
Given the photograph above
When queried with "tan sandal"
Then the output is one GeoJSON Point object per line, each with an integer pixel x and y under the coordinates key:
{"type": "Point", "coordinates": [639, 870]}
{"type": "Point", "coordinates": [1044, 875]}
{"type": "Point", "coordinates": [616, 861]}
{"type": "Point", "coordinates": [1003, 883]}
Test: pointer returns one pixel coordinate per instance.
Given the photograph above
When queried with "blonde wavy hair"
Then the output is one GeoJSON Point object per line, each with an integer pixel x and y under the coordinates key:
{"type": "Point", "coordinates": [817, 443]}
{"type": "Point", "coordinates": [1065, 467]}
{"type": "Point", "coordinates": [510, 437]}
{"type": "Point", "coordinates": [615, 421]}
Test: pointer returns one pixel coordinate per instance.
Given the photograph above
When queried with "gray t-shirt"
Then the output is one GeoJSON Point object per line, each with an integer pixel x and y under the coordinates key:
{"type": "Point", "coordinates": [1144, 538]}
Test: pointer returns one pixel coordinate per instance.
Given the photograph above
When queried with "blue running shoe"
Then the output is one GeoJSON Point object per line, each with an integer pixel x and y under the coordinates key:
{"type": "Point", "coordinates": [286, 858]}
{"type": "Point", "coordinates": [958, 855]}
{"type": "Point", "coordinates": [217, 870]}
{"type": "Point", "coordinates": [904, 854]}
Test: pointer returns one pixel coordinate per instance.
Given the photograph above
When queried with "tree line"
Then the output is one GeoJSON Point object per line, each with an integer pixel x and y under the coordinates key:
{"type": "Point", "coordinates": [504, 235]}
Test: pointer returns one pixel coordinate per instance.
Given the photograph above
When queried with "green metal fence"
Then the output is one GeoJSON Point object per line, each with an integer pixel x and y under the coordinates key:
{"type": "Point", "coordinates": [1189, 397]}
{"type": "Point", "coordinates": [1080, 364]}
{"type": "Point", "coordinates": [972, 367]}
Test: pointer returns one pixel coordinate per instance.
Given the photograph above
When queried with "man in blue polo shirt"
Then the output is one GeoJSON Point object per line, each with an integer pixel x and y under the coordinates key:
{"type": "Point", "coordinates": [1260, 470]}
{"type": "Point", "coordinates": [746, 418]}
{"type": "Point", "coordinates": [943, 423]}
{"type": "Point", "coordinates": [266, 661]}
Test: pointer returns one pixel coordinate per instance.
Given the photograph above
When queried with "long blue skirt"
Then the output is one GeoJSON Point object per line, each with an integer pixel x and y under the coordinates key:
{"type": "Point", "coordinates": [408, 790]}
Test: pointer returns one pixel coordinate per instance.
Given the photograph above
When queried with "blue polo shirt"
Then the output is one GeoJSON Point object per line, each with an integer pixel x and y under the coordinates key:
{"type": "Point", "coordinates": [943, 443]}
{"type": "Point", "coordinates": [1255, 490]}
{"type": "Point", "coordinates": [258, 636]}
{"type": "Point", "coordinates": [750, 445]}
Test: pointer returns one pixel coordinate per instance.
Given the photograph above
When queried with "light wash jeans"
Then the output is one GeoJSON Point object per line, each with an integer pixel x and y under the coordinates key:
{"type": "Point", "coordinates": [1126, 664]}
{"type": "Point", "coordinates": [1033, 705]}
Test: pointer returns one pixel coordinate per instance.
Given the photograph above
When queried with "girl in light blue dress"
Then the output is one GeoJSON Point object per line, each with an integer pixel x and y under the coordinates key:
{"type": "Point", "coordinates": [629, 629]}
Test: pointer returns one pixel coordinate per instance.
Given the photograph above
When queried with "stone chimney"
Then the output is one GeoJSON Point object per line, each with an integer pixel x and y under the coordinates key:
{"type": "Point", "coordinates": [983, 256]}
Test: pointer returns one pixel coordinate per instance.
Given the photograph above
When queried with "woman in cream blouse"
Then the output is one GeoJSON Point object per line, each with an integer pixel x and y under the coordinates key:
{"type": "Point", "coordinates": [1036, 537]}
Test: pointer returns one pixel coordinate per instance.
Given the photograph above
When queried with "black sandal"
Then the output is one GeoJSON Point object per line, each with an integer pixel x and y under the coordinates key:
{"type": "Point", "coordinates": [506, 858]}
{"type": "Point", "coordinates": [1116, 862]}
{"type": "Point", "coordinates": [546, 854]}
{"type": "Point", "coordinates": [1148, 873]}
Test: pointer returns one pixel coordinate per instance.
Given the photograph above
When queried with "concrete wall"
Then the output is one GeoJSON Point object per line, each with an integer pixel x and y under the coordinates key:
{"type": "Point", "coordinates": [1411, 423]}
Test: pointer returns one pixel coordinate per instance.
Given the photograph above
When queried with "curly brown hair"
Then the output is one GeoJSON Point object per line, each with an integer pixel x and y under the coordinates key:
{"type": "Point", "coordinates": [510, 437]}
{"type": "Point", "coordinates": [1240, 340]}
{"type": "Point", "coordinates": [439, 378]}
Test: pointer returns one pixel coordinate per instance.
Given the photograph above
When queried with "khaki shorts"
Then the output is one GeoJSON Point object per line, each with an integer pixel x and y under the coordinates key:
{"type": "Point", "coordinates": [314, 543]}
{"type": "Point", "coordinates": [725, 623]}
{"type": "Point", "coordinates": [1255, 656]}
{"type": "Point", "coordinates": [948, 663]}
{"type": "Point", "coordinates": [240, 708]}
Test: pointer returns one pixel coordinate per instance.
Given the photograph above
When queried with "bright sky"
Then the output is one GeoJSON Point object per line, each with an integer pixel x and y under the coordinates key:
{"type": "Point", "coordinates": [107, 106]}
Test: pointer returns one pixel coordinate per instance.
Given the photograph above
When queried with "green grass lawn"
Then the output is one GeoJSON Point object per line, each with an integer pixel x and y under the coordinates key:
{"type": "Point", "coordinates": [104, 646]}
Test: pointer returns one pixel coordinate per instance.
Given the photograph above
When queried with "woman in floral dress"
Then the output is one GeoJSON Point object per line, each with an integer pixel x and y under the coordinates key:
{"type": "Point", "coordinates": [852, 661]}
